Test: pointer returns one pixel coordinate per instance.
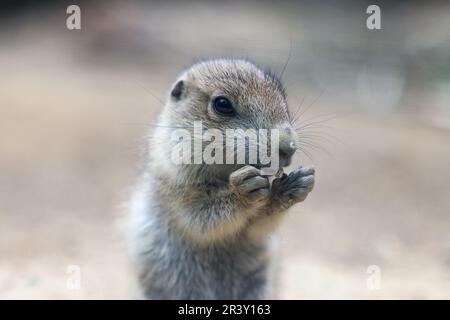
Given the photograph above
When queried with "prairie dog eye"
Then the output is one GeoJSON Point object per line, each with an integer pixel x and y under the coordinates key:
{"type": "Point", "coordinates": [223, 106]}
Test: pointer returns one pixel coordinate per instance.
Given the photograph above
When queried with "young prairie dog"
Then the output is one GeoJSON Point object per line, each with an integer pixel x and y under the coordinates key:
{"type": "Point", "coordinates": [201, 231]}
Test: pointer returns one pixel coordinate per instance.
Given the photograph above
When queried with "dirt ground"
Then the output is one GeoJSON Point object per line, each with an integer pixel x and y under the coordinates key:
{"type": "Point", "coordinates": [70, 133]}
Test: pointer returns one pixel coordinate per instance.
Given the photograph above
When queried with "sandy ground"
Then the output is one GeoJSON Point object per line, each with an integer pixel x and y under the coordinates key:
{"type": "Point", "coordinates": [69, 145]}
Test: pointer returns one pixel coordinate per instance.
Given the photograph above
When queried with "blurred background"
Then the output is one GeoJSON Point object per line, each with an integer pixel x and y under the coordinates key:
{"type": "Point", "coordinates": [375, 104]}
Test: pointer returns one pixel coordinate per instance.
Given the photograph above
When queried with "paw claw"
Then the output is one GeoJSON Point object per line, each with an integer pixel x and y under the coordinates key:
{"type": "Point", "coordinates": [295, 186]}
{"type": "Point", "coordinates": [248, 184]}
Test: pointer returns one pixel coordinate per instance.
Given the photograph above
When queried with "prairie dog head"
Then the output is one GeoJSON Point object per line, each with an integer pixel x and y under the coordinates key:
{"type": "Point", "coordinates": [223, 95]}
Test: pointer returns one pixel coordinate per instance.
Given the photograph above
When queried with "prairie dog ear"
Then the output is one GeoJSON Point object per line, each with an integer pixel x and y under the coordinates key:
{"type": "Point", "coordinates": [184, 86]}
{"type": "Point", "coordinates": [178, 90]}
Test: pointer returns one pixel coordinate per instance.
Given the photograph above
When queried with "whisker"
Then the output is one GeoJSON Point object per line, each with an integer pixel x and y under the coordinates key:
{"type": "Point", "coordinates": [288, 58]}
{"type": "Point", "coordinates": [294, 116]}
{"type": "Point", "coordinates": [151, 93]}
{"type": "Point", "coordinates": [310, 105]}
{"type": "Point", "coordinates": [320, 121]}
{"type": "Point", "coordinates": [315, 147]}
{"type": "Point", "coordinates": [306, 153]}
{"type": "Point", "coordinates": [322, 115]}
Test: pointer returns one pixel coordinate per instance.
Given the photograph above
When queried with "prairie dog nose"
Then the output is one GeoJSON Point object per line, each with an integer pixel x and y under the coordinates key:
{"type": "Point", "coordinates": [287, 145]}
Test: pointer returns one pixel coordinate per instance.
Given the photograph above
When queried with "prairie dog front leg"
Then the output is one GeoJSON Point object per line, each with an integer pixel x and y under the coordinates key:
{"type": "Point", "coordinates": [292, 188]}
{"type": "Point", "coordinates": [286, 191]}
{"type": "Point", "coordinates": [251, 188]}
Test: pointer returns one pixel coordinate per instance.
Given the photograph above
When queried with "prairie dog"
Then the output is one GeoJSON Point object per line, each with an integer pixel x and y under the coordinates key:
{"type": "Point", "coordinates": [201, 231]}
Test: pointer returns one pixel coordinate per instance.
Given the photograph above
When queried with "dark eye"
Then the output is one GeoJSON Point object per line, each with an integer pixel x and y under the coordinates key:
{"type": "Point", "coordinates": [223, 106]}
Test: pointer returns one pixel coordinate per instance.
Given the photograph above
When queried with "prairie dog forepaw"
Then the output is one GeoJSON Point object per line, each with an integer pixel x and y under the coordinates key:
{"type": "Point", "coordinates": [293, 187]}
{"type": "Point", "coordinates": [249, 186]}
